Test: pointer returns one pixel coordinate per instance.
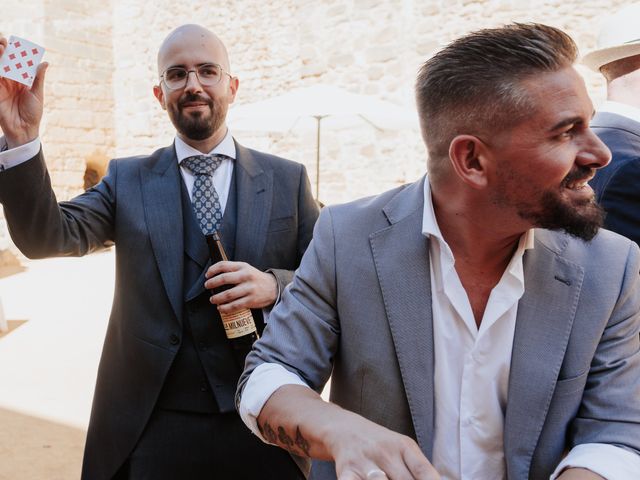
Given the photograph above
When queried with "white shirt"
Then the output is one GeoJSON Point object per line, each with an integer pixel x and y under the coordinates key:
{"type": "Point", "coordinates": [623, 109]}
{"type": "Point", "coordinates": [468, 441]}
{"type": "Point", "coordinates": [469, 427]}
{"type": "Point", "coordinates": [221, 177]}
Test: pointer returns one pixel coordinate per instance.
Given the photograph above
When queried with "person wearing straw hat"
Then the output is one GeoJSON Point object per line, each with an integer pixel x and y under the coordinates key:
{"type": "Point", "coordinates": [617, 122]}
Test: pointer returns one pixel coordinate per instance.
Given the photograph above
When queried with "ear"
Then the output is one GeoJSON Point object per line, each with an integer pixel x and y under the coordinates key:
{"type": "Point", "coordinates": [234, 83]}
{"type": "Point", "coordinates": [470, 157]}
{"type": "Point", "coordinates": [159, 94]}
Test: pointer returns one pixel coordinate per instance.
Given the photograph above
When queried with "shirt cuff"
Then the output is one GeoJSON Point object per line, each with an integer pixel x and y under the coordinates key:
{"type": "Point", "coordinates": [16, 156]}
{"type": "Point", "coordinates": [266, 311]}
{"type": "Point", "coordinates": [608, 461]}
{"type": "Point", "coordinates": [262, 383]}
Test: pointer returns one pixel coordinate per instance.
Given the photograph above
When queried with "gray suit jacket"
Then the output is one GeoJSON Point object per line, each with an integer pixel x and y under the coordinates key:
{"type": "Point", "coordinates": [138, 206]}
{"type": "Point", "coordinates": [359, 309]}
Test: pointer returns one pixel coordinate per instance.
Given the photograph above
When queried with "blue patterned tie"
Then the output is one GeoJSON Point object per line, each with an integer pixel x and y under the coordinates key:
{"type": "Point", "coordinates": [206, 203]}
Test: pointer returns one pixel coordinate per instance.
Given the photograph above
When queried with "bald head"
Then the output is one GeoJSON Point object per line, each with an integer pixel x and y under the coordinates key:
{"type": "Point", "coordinates": [193, 39]}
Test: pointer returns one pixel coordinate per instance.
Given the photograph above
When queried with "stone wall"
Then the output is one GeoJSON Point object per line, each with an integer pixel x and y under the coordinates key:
{"type": "Point", "coordinates": [99, 100]}
{"type": "Point", "coordinates": [78, 123]}
{"type": "Point", "coordinates": [370, 47]}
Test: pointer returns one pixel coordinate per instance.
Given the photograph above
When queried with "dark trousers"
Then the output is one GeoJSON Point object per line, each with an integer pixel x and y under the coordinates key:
{"type": "Point", "coordinates": [177, 445]}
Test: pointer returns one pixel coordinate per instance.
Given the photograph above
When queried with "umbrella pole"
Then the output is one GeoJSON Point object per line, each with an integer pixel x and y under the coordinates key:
{"type": "Point", "coordinates": [318, 118]}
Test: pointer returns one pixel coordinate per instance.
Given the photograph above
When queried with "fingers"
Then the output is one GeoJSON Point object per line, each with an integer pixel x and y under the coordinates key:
{"type": "Point", "coordinates": [38, 83]}
{"type": "Point", "coordinates": [3, 45]}
{"type": "Point", "coordinates": [228, 296]}
{"type": "Point", "coordinates": [419, 467]}
{"type": "Point", "coordinates": [227, 266]}
{"type": "Point", "coordinates": [252, 288]}
{"type": "Point", "coordinates": [376, 474]}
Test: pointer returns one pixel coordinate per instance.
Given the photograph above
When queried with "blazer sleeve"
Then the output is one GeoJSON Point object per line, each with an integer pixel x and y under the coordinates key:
{"type": "Point", "coordinates": [41, 227]}
{"type": "Point", "coordinates": [303, 330]}
{"type": "Point", "coordinates": [620, 197]}
{"type": "Point", "coordinates": [610, 411]}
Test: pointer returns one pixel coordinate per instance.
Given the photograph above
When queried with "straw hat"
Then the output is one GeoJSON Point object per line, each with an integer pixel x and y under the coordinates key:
{"type": "Point", "coordinates": [619, 38]}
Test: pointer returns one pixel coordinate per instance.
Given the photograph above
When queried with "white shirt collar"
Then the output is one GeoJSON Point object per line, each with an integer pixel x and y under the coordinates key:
{"type": "Point", "coordinates": [623, 109]}
{"type": "Point", "coordinates": [225, 147]}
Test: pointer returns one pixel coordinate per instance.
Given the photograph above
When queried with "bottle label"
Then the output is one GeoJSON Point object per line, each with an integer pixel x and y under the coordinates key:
{"type": "Point", "coordinates": [238, 324]}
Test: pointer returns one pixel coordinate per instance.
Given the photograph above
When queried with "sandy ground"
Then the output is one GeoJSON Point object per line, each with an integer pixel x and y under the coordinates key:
{"type": "Point", "coordinates": [57, 311]}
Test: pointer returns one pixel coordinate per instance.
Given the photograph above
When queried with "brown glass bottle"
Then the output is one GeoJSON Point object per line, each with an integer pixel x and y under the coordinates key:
{"type": "Point", "coordinates": [239, 327]}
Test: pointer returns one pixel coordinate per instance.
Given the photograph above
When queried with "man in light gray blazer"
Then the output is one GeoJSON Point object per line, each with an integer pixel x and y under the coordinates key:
{"type": "Point", "coordinates": [163, 407]}
{"type": "Point", "coordinates": [476, 324]}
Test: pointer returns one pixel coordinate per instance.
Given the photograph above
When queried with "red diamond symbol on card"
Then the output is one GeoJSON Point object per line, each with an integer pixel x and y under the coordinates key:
{"type": "Point", "coordinates": [23, 53]}
{"type": "Point", "coordinates": [18, 66]}
{"type": "Point", "coordinates": [12, 56]}
{"type": "Point", "coordinates": [30, 63]}
{"type": "Point", "coordinates": [17, 44]}
{"type": "Point", "coordinates": [34, 51]}
{"type": "Point", "coordinates": [25, 75]}
{"type": "Point", "coordinates": [7, 69]}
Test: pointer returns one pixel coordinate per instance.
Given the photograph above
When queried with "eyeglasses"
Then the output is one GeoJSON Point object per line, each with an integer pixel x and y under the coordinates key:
{"type": "Point", "coordinates": [208, 74]}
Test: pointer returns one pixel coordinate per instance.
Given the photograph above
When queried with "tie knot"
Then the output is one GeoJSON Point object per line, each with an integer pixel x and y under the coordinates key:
{"type": "Point", "coordinates": [203, 164]}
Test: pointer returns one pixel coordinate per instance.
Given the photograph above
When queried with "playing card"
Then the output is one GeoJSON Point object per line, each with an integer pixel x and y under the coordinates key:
{"type": "Point", "coordinates": [20, 60]}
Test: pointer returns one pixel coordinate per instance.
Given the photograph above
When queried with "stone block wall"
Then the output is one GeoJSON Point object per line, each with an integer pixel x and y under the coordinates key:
{"type": "Point", "coordinates": [78, 122]}
{"type": "Point", "coordinates": [371, 47]}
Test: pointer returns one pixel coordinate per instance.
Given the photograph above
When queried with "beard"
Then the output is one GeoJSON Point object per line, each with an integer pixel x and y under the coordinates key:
{"type": "Point", "coordinates": [197, 125]}
{"type": "Point", "coordinates": [579, 218]}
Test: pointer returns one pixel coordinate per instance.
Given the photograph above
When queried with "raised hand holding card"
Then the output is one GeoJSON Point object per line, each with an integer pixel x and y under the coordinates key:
{"type": "Point", "coordinates": [20, 60]}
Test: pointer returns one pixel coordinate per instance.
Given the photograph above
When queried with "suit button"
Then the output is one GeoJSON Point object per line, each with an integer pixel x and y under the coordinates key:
{"type": "Point", "coordinates": [174, 339]}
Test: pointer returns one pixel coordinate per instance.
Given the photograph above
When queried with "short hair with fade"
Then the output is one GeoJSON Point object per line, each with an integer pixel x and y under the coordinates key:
{"type": "Point", "coordinates": [472, 85]}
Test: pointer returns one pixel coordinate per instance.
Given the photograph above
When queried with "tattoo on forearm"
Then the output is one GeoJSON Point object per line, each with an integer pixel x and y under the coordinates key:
{"type": "Point", "coordinates": [268, 433]}
{"type": "Point", "coordinates": [300, 446]}
{"type": "Point", "coordinates": [301, 442]}
{"type": "Point", "coordinates": [285, 440]}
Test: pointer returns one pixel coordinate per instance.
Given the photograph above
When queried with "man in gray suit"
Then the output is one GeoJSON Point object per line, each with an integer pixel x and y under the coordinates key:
{"type": "Point", "coordinates": [476, 324]}
{"type": "Point", "coordinates": [617, 122]}
{"type": "Point", "coordinates": [163, 405]}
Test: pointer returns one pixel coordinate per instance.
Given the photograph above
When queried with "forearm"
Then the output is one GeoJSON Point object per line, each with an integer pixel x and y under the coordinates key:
{"type": "Point", "coordinates": [39, 226]}
{"type": "Point", "coordinates": [298, 420]}
{"type": "Point", "coordinates": [579, 474]}
{"type": "Point", "coordinates": [295, 418]}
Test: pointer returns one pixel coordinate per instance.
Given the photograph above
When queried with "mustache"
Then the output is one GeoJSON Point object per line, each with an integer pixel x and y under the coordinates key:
{"type": "Point", "coordinates": [580, 173]}
{"type": "Point", "coordinates": [189, 97]}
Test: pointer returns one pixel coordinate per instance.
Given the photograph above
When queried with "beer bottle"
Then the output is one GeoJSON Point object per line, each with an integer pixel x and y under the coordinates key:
{"type": "Point", "coordinates": [239, 327]}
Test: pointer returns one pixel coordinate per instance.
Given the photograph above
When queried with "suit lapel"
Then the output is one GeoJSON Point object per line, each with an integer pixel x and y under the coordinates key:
{"type": "Point", "coordinates": [162, 205]}
{"type": "Point", "coordinates": [254, 197]}
{"type": "Point", "coordinates": [545, 317]}
{"type": "Point", "coordinates": [401, 249]}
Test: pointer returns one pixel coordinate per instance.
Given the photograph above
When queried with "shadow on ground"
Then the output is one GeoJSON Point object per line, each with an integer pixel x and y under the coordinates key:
{"type": "Point", "coordinates": [33, 448]}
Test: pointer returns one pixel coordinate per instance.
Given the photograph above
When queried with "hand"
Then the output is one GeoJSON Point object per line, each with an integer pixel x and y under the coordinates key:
{"type": "Point", "coordinates": [20, 107]}
{"type": "Point", "coordinates": [298, 419]}
{"type": "Point", "coordinates": [253, 288]}
{"type": "Point", "coordinates": [364, 449]}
